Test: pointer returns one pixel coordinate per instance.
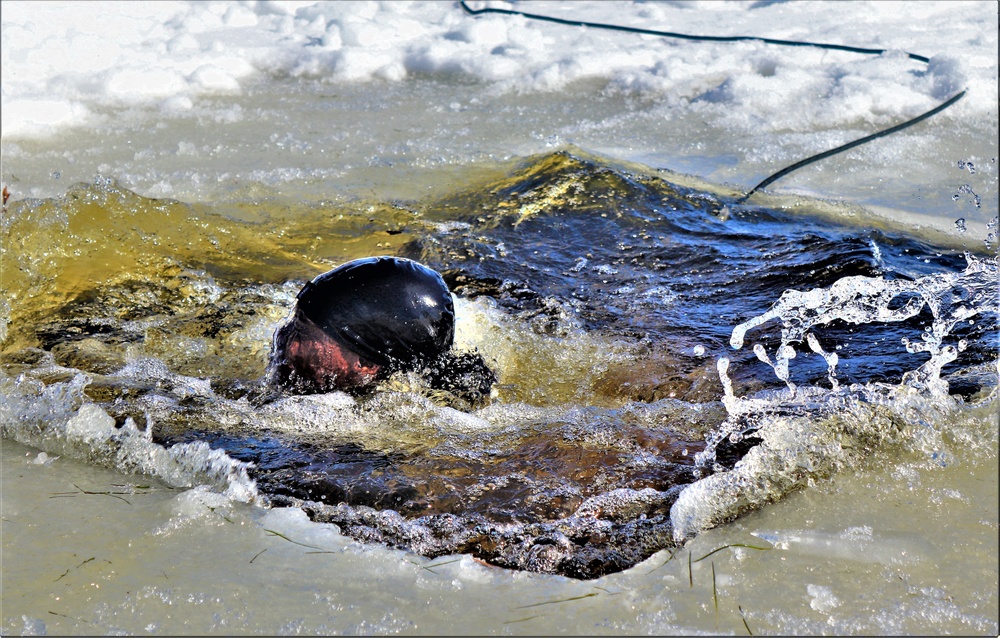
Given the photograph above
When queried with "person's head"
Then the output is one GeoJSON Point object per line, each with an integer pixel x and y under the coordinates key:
{"type": "Point", "coordinates": [366, 319]}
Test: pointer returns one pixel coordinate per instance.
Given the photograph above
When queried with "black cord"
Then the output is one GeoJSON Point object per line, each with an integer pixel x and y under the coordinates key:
{"type": "Point", "coordinates": [850, 145]}
{"type": "Point", "coordinates": [681, 36]}
{"type": "Point", "coordinates": [742, 38]}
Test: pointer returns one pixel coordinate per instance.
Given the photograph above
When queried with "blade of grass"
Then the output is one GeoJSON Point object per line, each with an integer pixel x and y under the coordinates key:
{"type": "Point", "coordinates": [447, 562]}
{"type": "Point", "coordinates": [715, 596]}
{"type": "Point", "coordinates": [88, 492]}
{"type": "Point", "coordinates": [511, 622]}
{"type": "Point", "coordinates": [72, 568]}
{"type": "Point", "coordinates": [131, 487]}
{"type": "Point", "coordinates": [553, 602]}
{"type": "Point", "coordinates": [56, 613]}
{"type": "Point", "coordinates": [257, 554]}
{"type": "Point", "coordinates": [224, 517]}
{"type": "Point", "coordinates": [690, 573]}
{"type": "Point", "coordinates": [743, 616]}
{"type": "Point", "coordinates": [727, 547]}
{"type": "Point", "coordinates": [280, 535]}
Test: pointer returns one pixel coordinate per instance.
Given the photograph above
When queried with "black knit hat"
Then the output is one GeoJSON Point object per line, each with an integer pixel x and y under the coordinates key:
{"type": "Point", "coordinates": [392, 311]}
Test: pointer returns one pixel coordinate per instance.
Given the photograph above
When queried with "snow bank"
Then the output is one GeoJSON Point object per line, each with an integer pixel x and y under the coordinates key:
{"type": "Point", "coordinates": [65, 62]}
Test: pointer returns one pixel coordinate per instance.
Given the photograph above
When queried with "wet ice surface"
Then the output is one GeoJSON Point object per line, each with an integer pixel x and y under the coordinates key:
{"type": "Point", "coordinates": [923, 569]}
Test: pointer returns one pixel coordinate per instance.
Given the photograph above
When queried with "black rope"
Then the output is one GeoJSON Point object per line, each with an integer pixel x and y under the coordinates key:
{"type": "Point", "coordinates": [850, 145]}
{"type": "Point", "coordinates": [681, 36]}
{"type": "Point", "coordinates": [743, 38]}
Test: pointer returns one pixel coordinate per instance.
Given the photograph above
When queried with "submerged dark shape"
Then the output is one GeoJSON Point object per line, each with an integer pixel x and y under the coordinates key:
{"type": "Point", "coordinates": [368, 318]}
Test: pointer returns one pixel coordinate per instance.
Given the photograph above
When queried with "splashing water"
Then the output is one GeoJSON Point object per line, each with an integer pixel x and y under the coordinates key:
{"type": "Point", "coordinates": [808, 432]}
{"type": "Point", "coordinates": [57, 417]}
{"type": "Point", "coordinates": [951, 298]}
{"type": "Point", "coordinates": [966, 189]}
{"type": "Point", "coordinates": [603, 296]}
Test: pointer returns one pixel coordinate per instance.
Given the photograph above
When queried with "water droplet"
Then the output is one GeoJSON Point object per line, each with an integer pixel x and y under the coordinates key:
{"type": "Point", "coordinates": [699, 351]}
{"type": "Point", "coordinates": [761, 353]}
{"type": "Point", "coordinates": [969, 166]}
{"type": "Point", "coordinates": [960, 224]}
{"type": "Point", "coordinates": [967, 189]}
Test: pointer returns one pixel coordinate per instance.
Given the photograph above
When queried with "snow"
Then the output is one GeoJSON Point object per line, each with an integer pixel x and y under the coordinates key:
{"type": "Point", "coordinates": [206, 101]}
{"type": "Point", "coordinates": [64, 61]}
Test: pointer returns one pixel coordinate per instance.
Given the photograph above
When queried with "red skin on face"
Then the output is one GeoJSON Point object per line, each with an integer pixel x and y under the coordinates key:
{"type": "Point", "coordinates": [313, 357]}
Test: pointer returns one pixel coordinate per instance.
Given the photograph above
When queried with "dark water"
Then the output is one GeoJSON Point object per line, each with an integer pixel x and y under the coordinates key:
{"type": "Point", "coordinates": [636, 257]}
{"type": "Point", "coordinates": [571, 470]}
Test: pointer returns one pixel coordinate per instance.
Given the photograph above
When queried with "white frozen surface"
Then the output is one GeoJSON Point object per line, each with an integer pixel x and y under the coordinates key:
{"type": "Point", "coordinates": [198, 100]}
{"type": "Point", "coordinates": [62, 61]}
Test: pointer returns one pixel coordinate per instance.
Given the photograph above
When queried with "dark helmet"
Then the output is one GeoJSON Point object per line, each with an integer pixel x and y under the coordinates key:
{"type": "Point", "coordinates": [393, 312]}
{"type": "Point", "coordinates": [363, 321]}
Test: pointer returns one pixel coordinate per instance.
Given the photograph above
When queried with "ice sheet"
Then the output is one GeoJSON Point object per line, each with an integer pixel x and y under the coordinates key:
{"type": "Point", "coordinates": [64, 62]}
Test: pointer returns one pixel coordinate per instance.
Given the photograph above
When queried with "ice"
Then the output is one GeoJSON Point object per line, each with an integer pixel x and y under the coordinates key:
{"type": "Point", "coordinates": [197, 506]}
{"type": "Point", "coordinates": [61, 61]}
{"type": "Point", "coordinates": [43, 459]}
{"type": "Point", "coordinates": [33, 627]}
{"type": "Point", "coordinates": [858, 544]}
{"type": "Point", "coordinates": [823, 599]}
{"type": "Point", "coordinates": [293, 522]}
{"type": "Point", "coordinates": [113, 88]}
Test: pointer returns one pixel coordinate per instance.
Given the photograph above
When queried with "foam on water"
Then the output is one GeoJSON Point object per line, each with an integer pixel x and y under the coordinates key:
{"type": "Point", "coordinates": [809, 432]}
{"type": "Point", "coordinates": [59, 419]}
